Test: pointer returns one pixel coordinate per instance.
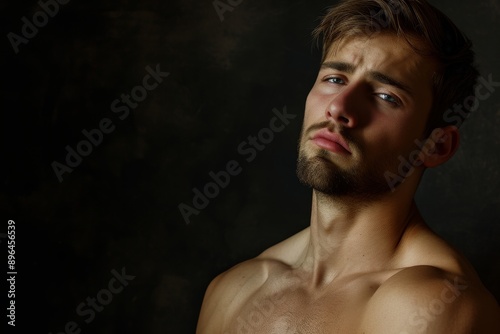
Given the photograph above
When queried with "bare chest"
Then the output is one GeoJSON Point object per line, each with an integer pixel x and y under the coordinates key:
{"type": "Point", "coordinates": [293, 308]}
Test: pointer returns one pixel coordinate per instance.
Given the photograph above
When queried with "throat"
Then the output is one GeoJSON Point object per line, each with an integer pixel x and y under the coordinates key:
{"type": "Point", "coordinates": [341, 245]}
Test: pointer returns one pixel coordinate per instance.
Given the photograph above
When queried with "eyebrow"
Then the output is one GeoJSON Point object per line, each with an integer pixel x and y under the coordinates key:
{"type": "Point", "coordinates": [375, 75]}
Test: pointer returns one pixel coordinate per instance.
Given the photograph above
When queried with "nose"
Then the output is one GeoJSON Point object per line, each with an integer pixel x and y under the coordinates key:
{"type": "Point", "coordinates": [343, 106]}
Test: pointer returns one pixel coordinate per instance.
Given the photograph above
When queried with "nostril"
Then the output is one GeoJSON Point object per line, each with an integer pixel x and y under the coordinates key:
{"type": "Point", "coordinates": [344, 119]}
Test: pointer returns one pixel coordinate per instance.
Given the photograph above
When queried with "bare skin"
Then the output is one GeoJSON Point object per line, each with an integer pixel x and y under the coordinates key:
{"type": "Point", "coordinates": [365, 264]}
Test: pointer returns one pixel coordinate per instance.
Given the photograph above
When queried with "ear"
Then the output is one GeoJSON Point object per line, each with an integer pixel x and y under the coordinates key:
{"type": "Point", "coordinates": [440, 146]}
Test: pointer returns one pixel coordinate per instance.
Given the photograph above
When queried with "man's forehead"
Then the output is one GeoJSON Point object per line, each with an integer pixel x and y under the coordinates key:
{"type": "Point", "coordinates": [356, 48]}
{"type": "Point", "coordinates": [383, 52]}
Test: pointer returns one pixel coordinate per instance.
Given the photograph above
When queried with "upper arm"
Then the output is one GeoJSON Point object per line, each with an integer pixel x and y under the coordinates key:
{"type": "Point", "coordinates": [209, 306]}
{"type": "Point", "coordinates": [426, 300]}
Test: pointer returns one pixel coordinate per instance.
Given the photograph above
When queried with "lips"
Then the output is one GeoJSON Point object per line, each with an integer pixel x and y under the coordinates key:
{"type": "Point", "coordinates": [332, 142]}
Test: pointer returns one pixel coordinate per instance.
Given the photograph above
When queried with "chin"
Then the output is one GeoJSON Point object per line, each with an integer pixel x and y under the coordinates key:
{"type": "Point", "coordinates": [323, 175]}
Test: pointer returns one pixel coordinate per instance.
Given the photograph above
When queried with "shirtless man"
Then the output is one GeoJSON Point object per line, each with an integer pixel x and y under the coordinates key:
{"type": "Point", "coordinates": [368, 263]}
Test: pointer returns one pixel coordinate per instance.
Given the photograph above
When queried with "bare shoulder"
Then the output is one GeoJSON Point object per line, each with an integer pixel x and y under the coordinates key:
{"type": "Point", "coordinates": [426, 299]}
{"type": "Point", "coordinates": [225, 291]}
{"type": "Point", "coordinates": [438, 292]}
{"type": "Point", "coordinates": [229, 290]}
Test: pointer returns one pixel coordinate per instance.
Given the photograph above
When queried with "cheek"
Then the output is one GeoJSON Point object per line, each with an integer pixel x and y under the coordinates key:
{"type": "Point", "coordinates": [388, 136]}
{"type": "Point", "coordinates": [314, 108]}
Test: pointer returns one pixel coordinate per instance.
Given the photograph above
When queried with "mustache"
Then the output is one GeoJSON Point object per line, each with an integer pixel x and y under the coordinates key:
{"type": "Point", "coordinates": [327, 124]}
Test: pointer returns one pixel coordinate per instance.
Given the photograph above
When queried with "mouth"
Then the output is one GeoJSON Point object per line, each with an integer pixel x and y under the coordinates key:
{"type": "Point", "coordinates": [332, 142]}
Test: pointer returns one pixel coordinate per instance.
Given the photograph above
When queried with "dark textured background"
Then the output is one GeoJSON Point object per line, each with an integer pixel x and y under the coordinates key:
{"type": "Point", "coordinates": [119, 208]}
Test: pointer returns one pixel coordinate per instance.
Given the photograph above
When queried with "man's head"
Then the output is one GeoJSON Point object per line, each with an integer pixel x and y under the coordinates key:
{"type": "Point", "coordinates": [389, 71]}
{"type": "Point", "coordinates": [428, 31]}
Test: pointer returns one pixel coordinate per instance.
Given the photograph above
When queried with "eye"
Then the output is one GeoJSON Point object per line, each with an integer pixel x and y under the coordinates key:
{"type": "Point", "coordinates": [335, 80]}
{"type": "Point", "coordinates": [389, 98]}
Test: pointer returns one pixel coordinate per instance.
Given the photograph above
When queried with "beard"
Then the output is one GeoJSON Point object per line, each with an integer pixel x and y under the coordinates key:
{"type": "Point", "coordinates": [362, 180]}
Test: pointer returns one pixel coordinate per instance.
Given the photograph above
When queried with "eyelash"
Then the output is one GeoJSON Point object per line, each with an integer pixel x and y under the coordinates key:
{"type": "Point", "coordinates": [330, 78]}
{"type": "Point", "coordinates": [395, 101]}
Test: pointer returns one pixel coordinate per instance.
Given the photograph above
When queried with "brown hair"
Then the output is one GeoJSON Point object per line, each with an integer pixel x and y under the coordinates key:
{"type": "Point", "coordinates": [454, 81]}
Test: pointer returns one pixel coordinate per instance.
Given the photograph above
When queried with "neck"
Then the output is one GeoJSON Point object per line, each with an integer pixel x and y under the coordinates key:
{"type": "Point", "coordinates": [349, 237]}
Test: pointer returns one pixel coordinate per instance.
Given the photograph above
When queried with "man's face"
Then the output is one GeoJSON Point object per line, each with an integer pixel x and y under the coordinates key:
{"type": "Point", "coordinates": [369, 103]}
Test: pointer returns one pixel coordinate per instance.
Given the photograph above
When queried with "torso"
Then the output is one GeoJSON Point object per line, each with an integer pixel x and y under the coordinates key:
{"type": "Point", "coordinates": [285, 304]}
{"type": "Point", "coordinates": [268, 295]}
